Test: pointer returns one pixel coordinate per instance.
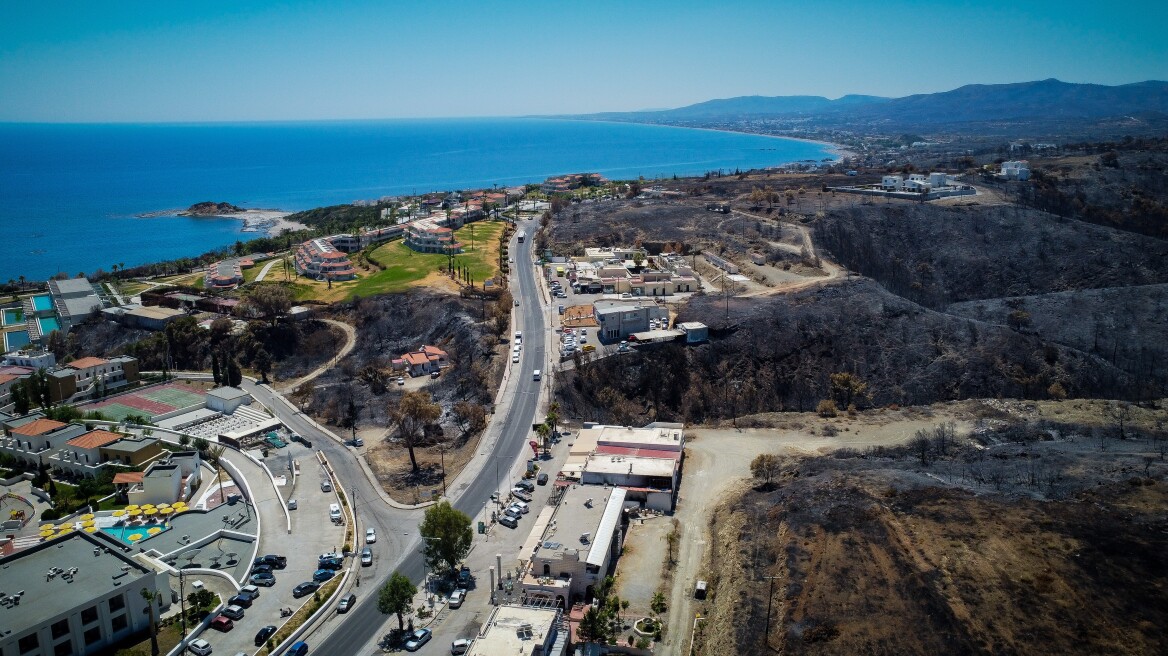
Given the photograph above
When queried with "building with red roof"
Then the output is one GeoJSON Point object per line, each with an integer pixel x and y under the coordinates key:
{"type": "Point", "coordinates": [320, 260]}
{"type": "Point", "coordinates": [431, 236]}
{"type": "Point", "coordinates": [422, 362]}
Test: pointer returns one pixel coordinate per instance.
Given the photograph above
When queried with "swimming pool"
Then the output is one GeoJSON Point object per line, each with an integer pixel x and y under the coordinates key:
{"type": "Point", "coordinates": [13, 316]}
{"type": "Point", "coordinates": [124, 533]}
{"type": "Point", "coordinates": [42, 303]}
{"type": "Point", "coordinates": [48, 324]}
{"type": "Point", "coordinates": [15, 339]}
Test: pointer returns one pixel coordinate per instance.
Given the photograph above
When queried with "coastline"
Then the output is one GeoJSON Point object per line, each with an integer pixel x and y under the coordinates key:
{"type": "Point", "coordinates": [838, 150]}
{"type": "Point", "coordinates": [272, 222]}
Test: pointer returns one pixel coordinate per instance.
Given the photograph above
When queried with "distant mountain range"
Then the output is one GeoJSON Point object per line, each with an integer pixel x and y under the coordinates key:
{"type": "Point", "coordinates": [1042, 101]}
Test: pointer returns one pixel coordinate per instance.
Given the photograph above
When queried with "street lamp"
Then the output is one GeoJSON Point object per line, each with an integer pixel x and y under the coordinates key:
{"type": "Point", "coordinates": [426, 569]}
{"type": "Point", "coordinates": [498, 494]}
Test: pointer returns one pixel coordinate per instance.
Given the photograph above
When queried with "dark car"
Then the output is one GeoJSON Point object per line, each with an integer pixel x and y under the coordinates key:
{"type": "Point", "coordinates": [526, 485]}
{"type": "Point", "coordinates": [542, 479]}
{"type": "Point", "coordinates": [306, 588]}
{"type": "Point", "coordinates": [261, 569]}
{"type": "Point", "coordinates": [241, 600]}
{"type": "Point", "coordinates": [322, 575]}
{"type": "Point", "coordinates": [272, 560]}
{"type": "Point", "coordinates": [264, 579]}
{"type": "Point", "coordinates": [264, 634]}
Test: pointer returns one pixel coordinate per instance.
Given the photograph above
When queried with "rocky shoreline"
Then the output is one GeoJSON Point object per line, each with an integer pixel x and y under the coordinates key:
{"type": "Point", "coordinates": [259, 220]}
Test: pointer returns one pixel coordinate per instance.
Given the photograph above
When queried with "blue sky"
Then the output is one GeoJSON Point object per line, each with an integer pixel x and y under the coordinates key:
{"type": "Point", "coordinates": [225, 61]}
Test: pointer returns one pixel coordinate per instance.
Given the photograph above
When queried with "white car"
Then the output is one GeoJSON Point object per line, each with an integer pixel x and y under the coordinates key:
{"type": "Point", "coordinates": [515, 358]}
{"type": "Point", "coordinates": [200, 647]}
{"type": "Point", "coordinates": [370, 536]}
{"type": "Point", "coordinates": [456, 598]}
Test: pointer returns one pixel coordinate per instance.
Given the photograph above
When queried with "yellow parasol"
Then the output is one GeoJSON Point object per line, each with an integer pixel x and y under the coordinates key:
{"type": "Point", "coordinates": [147, 505]}
{"type": "Point", "coordinates": [91, 529]}
{"type": "Point", "coordinates": [134, 537]}
{"type": "Point", "coordinates": [132, 509]}
{"type": "Point", "coordinates": [162, 505]}
{"type": "Point", "coordinates": [86, 517]}
{"type": "Point", "coordinates": [89, 522]}
{"type": "Point", "coordinates": [150, 511]}
{"type": "Point", "coordinates": [166, 511]}
{"type": "Point", "coordinates": [47, 532]}
{"type": "Point", "coordinates": [119, 513]}
{"type": "Point", "coordinates": [154, 530]}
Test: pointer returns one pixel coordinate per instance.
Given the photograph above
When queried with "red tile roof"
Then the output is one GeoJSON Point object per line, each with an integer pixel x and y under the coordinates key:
{"type": "Point", "coordinates": [85, 363]}
{"type": "Point", "coordinates": [38, 427]}
{"type": "Point", "coordinates": [128, 477]}
{"type": "Point", "coordinates": [416, 358]}
{"type": "Point", "coordinates": [94, 439]}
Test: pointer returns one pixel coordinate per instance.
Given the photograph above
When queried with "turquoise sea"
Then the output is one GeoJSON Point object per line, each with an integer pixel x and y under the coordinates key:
{"type": "Point", "coordinates": [70, 195]}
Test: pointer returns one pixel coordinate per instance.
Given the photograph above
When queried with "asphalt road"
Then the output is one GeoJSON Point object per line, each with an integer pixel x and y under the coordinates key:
{"type": "Point", "coordinates": [397, 541]}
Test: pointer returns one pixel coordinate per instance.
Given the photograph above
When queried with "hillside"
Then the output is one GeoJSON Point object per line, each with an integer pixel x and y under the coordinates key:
{"type": "Point", "coordinates": [777, 353]}
{"type": "Point", "coordinates": [937, 255]}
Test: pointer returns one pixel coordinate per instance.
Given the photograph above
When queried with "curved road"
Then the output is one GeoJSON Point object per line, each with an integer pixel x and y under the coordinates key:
{"type": "Point", "coordinates": [398, 545]}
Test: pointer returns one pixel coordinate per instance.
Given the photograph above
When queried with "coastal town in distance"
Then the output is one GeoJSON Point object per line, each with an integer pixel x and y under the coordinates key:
{"type": "Point", "coordinates": [790, 374]}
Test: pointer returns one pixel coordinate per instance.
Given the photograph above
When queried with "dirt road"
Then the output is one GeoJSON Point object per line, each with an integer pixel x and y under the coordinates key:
{"type": "Point", "coordinates": [350, 342]}
{"type": "Point", "coordinates": [718, 464]}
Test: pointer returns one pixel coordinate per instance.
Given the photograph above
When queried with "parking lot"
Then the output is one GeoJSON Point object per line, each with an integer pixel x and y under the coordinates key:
{"type": "Point", "coordinates": [312, 534]}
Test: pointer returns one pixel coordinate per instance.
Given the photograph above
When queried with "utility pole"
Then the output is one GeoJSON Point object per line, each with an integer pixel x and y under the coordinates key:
{"type": "Point", "coordinates": [770, 597]}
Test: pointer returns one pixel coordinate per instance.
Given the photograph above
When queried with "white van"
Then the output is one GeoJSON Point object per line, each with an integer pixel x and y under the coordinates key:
{"type": "Point", "coordinates": [535, 375]}
{"type": "Point", "coordinates": [334, 512]}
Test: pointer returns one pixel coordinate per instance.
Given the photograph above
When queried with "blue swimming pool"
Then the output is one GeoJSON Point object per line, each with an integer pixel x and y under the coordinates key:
{"type": "Point", "coordinates": [48, 324]}
{"type": "Point", "coordinates": [124, 533]}
{"type": "Point", "coordinates": [13, 316]}
{"type": "Point", "coordinates": [15, 339]}
{"type": "Point", "coordinates": [42, 303]}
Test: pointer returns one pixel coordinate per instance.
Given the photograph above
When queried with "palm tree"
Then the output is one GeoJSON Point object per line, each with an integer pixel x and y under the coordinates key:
{"type": "Point", "coordinates": [214, 454]}
{"type": "Point", "coordinates": [151, 596]}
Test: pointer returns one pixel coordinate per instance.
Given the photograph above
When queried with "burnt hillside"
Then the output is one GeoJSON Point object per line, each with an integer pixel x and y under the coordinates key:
{"type": "Point", "coordinates": [936, 255]}
{"type": "Point", "coordinates": [777, 353]}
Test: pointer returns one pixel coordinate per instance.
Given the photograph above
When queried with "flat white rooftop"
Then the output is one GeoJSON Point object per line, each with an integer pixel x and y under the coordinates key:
{"type": "Point", "coordinates": [514, 630]}
{"type": "Point", "coordinates": [604, 464]}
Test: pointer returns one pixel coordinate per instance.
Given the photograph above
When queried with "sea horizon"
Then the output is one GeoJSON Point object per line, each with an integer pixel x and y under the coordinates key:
{"type": "Point", "coordinates": [72, 194]}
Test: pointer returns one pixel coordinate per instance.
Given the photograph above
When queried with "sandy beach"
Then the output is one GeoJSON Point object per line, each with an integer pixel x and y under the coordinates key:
{"type": "Point", "coordinates": [272, 222]}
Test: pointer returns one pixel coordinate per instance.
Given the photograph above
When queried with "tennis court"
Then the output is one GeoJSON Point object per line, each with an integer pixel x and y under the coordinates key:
{"type": "Point", "coordinates": [151, 401]}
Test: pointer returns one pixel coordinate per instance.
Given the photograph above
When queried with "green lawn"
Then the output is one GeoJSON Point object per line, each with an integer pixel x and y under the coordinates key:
{"type": "Point", "coordinates": [405, 267]}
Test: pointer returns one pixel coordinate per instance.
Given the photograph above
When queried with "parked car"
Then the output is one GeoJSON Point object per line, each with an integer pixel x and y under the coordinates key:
{"type": "Point", "coordinates": [346, 603]}
{"type": "Point", "coordinates": [456, 598]}
{"type": "Point", "coordinates": [222, 623]}
{"type": "Point", "coordinates": [521, 507]}
{"type": "Point", "coordinates": [527, 485]}
{"type": "Point", "coordinates": [263, 634]}
{"type": "Point", "coordinates": [401, 380]}
{"type": "Point", "coordinates": [460, 646]}
{"type": "Point", "coordinates": [512, 511]}
{"type": "Point", "coordinates": [326, 486]}
{"type": "Point", "coordinates": [199, 647]}
{"type": "Point", "coordinates": [464, 577]}
{"type": "Point", "coordinates": [366, 557]}
{"type": "Point", "coordinates": [521, 494]}
{"type": "Point", "coordinates": [262, 568]}
{"type": "Point", "coordinates": [417, 639]}
{"type": "Point", "coordinates": [298, 649]}
{"type": "Point", "coordinates": [335, 512]}
{"type": "Point", "coordinates": [542, 479]}
{"type": "Point", "coordinates": [234, 612]}
{"type": "Point", "coordinates": [276, 562]}
{"type": "Point", "coordinates": [306, 588]}
{"type": "Point", "coordinates": [251, 591]}
{"type": "Point", "coordinates": [241, 600]}
{"type": "Point", "coordinates": [370, 536]}
{"type": "Point", "coordinates": [330, 563]}
{"type": "Point", "coordinates": [509, 522]}
{"type": "Point", "coordinates": [515, 358]}
{"type": "Point", "coordinates": [322, 575]}
{"type": "Point", "coordinates": [265, 579]}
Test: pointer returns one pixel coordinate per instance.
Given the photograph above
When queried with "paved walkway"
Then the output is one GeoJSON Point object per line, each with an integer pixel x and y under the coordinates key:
{"type": "Point", "coordinates": [350, 342]}
{"type": "Point", "coordinates": [267, 268]}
